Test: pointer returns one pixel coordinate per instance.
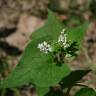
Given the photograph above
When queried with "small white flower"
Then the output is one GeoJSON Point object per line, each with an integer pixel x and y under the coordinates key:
{"type": "Point", "coordinates": [68, 55]}
{"type": "Point", "coordinates": [63, 39]}
{"type": "Point", "coordinates": [66, 45]}
{"type": "Point", "coordinates": [63, 31]}
{"type": "Point", "coordinates": [45, 47]}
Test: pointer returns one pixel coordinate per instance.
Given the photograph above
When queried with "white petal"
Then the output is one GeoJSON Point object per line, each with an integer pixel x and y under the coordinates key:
{"type": "Point", "coordinates": [45, 43]}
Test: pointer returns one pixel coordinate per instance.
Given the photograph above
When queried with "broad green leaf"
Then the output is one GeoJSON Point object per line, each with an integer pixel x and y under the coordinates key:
{"type": "Point", "coordinates": [35, 66]}
{"type": "Point", "coordinates": [86, 92]}
{"type": "Point", "coordinates": [73, 77]}
{"type": "Point", "coordinates": [77, 34]}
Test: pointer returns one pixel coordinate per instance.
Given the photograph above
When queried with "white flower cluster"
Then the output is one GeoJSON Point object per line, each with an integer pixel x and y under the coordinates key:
{"type": "Point", "coordinates": [63, 39]}
{"type": "Point", "coordinates": [45, 47]}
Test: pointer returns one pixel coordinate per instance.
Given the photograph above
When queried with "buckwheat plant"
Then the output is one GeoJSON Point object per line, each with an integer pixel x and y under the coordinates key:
{"type": "Point", "coordinates": [44, 63]}
{"type": "Point", "coordinates": [61, 49]}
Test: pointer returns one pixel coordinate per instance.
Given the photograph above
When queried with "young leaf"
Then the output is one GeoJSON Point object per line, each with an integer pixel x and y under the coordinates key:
{"type": "Point", "coordinates": [77, 34]}
{"type": "Point", "coordinates": [86, 92]}
{"type": "Point", "coordinates": [73, 77]}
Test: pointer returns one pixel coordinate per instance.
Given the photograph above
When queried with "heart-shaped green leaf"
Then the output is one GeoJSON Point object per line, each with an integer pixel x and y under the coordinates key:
{"type": "Point", "coordinates": [36, 67]}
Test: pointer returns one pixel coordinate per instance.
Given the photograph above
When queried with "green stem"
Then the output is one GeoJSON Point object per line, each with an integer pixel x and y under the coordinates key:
{"type": "Point", "coordinates": [68, 91]}
{"type": "Point", "coordinates": [16, 91]}
{"type": "Point", "coordinates": [3, 92]}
